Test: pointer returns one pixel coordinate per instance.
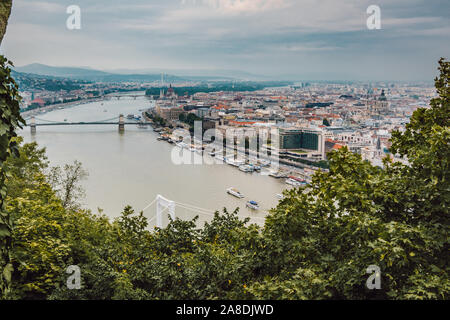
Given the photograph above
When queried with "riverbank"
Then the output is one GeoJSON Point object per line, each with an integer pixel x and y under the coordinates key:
{"type": "Point", "coordinates": [52, 107]}
{"type": "Point", "coordinates": [241, 159]}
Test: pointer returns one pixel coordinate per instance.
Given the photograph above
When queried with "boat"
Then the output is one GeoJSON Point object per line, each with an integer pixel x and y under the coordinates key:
{"type": "Point", "coordinates": [252, 205]}
{"type": "Point", "coordinates": [294, 181]}
{"type": "Point", "coordinates": [130, 116]}
{"type": "Point", "coordinates": [277, 174]}
{"type": "Point", "coordinates": [234, 192]}
{"type": "Point", "coordinates": [280, 196]}
{"type": "Point", "coordinates": [246, 168]}
{"type": "Point", "coordinates": [264, 163]}
{"type": "Point", "coordinates": [235, 163]}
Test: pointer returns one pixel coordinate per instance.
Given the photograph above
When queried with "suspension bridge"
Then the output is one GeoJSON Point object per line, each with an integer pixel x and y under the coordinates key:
{"type": "Point", "coordinates": [119, 121]}
{"type": "Point", "coordinates": [167, 206]}
{"type": "Point", "coordinates": [118, 97]}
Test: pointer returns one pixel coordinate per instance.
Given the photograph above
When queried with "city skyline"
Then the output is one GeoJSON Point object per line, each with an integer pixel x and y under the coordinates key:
{"type": "Point", "coordinates": [297, 39]}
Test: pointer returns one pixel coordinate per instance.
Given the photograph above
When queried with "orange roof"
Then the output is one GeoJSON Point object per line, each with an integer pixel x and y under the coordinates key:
{"type": "Point", "coordinates": [337, 146]}
{"type": "Point", "coordinates": [244, 123]}
{"type": "Point", "coordinates": [279, 98]}
{"type": "Point", "coordinates": [38, 101]}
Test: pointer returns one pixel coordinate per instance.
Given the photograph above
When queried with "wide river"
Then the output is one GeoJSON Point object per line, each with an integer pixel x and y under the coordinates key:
{"type": "Point", "coordinates": [133, 168]}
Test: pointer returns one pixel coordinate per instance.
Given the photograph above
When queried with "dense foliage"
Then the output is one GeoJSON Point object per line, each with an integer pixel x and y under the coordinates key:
{"type": "Point", "coordinates": [316, 244]}
{"type": "Point", "coordinates": [28, 81]}
{"type": "Point", "coordinates": [219, 86]}
{"type": "Point", "coordinates": [5, 11]}
{"type": "Point", "coordinates": [10, 119]}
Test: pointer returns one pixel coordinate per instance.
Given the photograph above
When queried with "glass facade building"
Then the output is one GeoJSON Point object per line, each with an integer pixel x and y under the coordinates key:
{"type": "Point", "coordinates": [299, 139]}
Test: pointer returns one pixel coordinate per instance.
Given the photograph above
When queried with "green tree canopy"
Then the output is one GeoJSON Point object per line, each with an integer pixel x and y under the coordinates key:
{"type": "Point", "coordinates": [316, 244]}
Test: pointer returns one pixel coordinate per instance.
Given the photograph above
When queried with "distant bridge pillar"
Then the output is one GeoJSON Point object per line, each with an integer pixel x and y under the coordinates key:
{"type": "Point", "coordinates": [121, 124]}
{"type": "Point", "coordinates": [33, 125]}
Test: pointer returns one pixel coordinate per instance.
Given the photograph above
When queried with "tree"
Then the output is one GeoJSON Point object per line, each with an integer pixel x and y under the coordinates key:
{"type": "Point", "coordinates": [65, 181]}
{"type": "Point", "coordinates": [325, 122]}
{"type": "Point", "coordinates": [5, 11]}
{"type": "Point", "coordinates": [358, 215]}
{"type": "Point", "coordinates": [10, 120]}
{"type": "Point", "coordinates": [316, 244]}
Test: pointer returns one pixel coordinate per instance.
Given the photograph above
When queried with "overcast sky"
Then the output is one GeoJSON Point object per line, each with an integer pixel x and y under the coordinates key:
{"type": "Point", "coordinates": [308, 39]}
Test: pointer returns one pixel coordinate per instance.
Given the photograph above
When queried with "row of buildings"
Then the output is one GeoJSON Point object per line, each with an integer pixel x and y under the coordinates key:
{"type": "Point", "coordinates": [310, 120]}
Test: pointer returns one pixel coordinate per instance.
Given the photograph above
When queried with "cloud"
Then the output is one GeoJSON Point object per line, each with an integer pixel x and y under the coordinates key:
{"type": "Point", "coordinates": [38, 6]}
{"type": "Point", "coordinates": [260, 36]}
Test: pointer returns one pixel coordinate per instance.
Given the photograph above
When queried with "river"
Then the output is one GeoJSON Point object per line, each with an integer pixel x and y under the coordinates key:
{"type": "Point", "coordinates": [132, 168]}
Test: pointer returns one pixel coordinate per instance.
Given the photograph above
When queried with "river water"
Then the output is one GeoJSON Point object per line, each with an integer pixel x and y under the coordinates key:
{"type": "Point", "coordinates": [133, 168]}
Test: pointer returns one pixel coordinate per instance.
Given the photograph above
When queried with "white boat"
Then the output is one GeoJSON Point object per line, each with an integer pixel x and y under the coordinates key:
{"type": "Point", "coordinates": [264, 163]}
{"type": "Point", "coordinates": [246, 168]}
{"type": "Point", "coordinates": [280, 196]}
{"type": "Point", "coordinates": [293, 181]}
{"type": "Point", "coordinates": [229, 161]}
{"type": "Point", "coordinates": [252, 205]}
{"type": "Point", "coordinates": [235, 163]}
{"type": "Point", "coordinates": [234, 192]}
{"type": "Point", "coordinates": [277, 174]}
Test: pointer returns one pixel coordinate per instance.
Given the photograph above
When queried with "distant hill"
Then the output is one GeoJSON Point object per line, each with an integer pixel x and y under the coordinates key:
{"type": "Point", "coordinates": [66, 72]}
{"type": "Point", "coordinates": [28, 81]}
{"type": "Point", "coordinates": [90, 74]}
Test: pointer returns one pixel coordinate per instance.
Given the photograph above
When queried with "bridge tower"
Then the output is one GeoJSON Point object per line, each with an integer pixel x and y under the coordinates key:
{"type": "Point", "coordinates": [121, 124]}
{"type": "Point", "coordinates": [161, 205]}
{"type": "Point", "coordinates": [33, 125]}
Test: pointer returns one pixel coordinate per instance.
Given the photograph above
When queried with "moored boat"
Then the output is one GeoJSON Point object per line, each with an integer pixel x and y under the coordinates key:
{"type": "Point", "coordinates": [252, 205]}
{"type": "Point", "coordinates": [264, 163]}
{"type": "Point", "coordinates": [246, 168]}
{"type": "Point", "coordinates": [277, 174]}
{"type": "Point", "coordinates": [234, 192]}
{"type": "Point", "coordinates": [294, 181]}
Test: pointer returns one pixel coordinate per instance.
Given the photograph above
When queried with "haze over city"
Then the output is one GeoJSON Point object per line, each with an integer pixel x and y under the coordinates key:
{"type": "Point", "coordinates": [279, 39]}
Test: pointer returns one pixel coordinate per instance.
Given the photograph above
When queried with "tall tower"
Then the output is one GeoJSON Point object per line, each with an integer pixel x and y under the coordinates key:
{"type": "Point", "coordinates": [161, 91]}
